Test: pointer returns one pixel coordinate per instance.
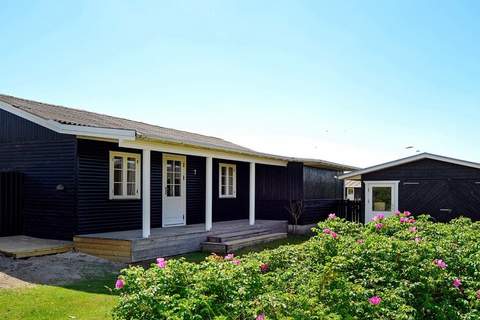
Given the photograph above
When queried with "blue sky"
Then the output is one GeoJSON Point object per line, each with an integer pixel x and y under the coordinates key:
{"type": "Point", "coordinates": [347, 81]}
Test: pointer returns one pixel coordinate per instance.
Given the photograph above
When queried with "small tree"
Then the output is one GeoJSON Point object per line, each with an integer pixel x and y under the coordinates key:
{"type": "Point", "coordinates": [295, 209]}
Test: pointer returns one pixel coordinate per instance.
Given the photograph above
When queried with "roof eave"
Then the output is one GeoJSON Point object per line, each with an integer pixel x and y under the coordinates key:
{"type": "Point", "coordinates": [359, 173]}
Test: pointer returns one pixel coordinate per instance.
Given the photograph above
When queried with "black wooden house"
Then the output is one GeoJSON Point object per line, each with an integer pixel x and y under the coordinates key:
{"type": "Point", "coordinates": [443, 187]}
{"type": "Point", "coordinates": [87, 173]}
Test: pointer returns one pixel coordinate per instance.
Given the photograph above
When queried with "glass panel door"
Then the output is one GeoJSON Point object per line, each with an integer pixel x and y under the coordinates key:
{"type": "Point", "coordinates": [380, 197]}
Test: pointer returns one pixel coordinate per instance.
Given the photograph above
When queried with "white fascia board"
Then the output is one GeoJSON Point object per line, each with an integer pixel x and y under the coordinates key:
{"type": "Point", "coordinates": [408, 160]}
{"type": "Point", "coordinates": [198, 151]}
{"type": "Point", "coordinates": [94, 132]}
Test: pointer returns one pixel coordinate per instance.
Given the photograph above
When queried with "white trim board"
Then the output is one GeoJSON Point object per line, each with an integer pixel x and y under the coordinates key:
{"type": "Point", "coordinates": [358, 173]}
{"type": "Point", "coordinates": [188, 150]}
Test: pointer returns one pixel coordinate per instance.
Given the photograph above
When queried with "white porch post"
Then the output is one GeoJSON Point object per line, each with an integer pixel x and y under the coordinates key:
{"type": "Point", "coordinates": [252, 194]}
{"type": "Point", "coordinates": [208, 194]}
{"type": "Point", "coordinates": [146, 193]}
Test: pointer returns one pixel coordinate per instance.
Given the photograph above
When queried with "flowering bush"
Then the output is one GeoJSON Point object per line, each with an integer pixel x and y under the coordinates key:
{"type": "Point", "coordinates": [346, 271]}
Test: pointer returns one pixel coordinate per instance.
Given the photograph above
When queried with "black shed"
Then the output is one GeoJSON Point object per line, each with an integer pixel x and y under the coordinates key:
{"type": "Point", "coordinates": [442, 187]}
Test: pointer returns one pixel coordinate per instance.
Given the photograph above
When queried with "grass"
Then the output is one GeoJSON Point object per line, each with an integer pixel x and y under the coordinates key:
{"type": "Point", "coordinates": [88, 299]}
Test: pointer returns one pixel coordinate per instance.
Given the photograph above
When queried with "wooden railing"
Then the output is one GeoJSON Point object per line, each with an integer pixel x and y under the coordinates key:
{"type": "Point", "coordinates": [318, 209]}
{"type": "Point", "coordinates": [350, 210]}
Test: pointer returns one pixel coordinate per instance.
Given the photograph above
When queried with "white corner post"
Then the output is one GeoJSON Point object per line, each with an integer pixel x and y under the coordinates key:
{"type": "Point", "coordinates": [146, 193]}
{"type": "Point", "coordinates": [251, 216]}
{"type": "Point", "coordinates": [208, 194]}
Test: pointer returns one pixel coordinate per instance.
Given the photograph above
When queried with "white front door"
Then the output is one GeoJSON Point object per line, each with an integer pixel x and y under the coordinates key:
{"type": "Point", "coordinates": [174, 190]}
{"type": "Point", "coordinates": [380, 197]}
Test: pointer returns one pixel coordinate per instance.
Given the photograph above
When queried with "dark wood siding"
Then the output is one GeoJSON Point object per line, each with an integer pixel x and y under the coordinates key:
{"type": "Point", "coordinates": [275, 186]}
{"type": "Point", "coordinates": [322, 183]}
{"type": "Point", "coordinates": [16, 129]}
{"type": "Point", "coordinates": [196, 189]}
{"type": "Point", "coordinates": [231, 208]}
{"type": "Point", "coordinates": [47, 160]}
{"type": "Point", "coordinates": [96, 212]}
{"type": "Point", "coordinates": [11, 203]}
{"type": "Point", "coordinates": [156, 189]}
{"type": "Point", "coordinates": [428, 186]}
{"type": "Point", "coordinates": [322, 191]}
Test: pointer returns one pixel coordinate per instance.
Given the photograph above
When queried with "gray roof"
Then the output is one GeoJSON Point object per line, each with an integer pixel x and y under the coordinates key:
{"type": "Point", "coordinates": [77, 117]}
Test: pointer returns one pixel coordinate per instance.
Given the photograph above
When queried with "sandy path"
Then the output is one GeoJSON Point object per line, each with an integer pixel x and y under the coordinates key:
{"type": "Point", "coordinates": [55, 269]}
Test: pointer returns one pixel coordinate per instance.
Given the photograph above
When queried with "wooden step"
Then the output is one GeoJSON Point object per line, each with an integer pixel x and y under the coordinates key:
{"type": "Point", "coordinates": [228, 236]}
{"type": "Point", "coordinates": [234, 245]}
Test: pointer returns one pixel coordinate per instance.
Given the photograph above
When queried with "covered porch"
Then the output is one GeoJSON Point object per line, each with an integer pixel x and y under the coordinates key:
{"type": "Point", "coordinates": [132, 246]}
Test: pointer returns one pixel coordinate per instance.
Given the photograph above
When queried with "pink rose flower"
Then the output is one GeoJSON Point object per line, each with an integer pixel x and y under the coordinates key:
{"type": "Point", "coordinates": [119, 284]}
{"type": "Point", "coordinates": [411, 220]}
{"type": "Point", "coordinates": [236, 262]}
{"type": "Point", "coordinates": [478, 294]}
{"type": "Point", "coordinates": [379, 226]}
{"type": "Point", "coordinates": [440, 263]}
{"type": "Point", "coordinates": [229, 256]}
{"type": "Point", "coordinates": [360, 241]}
{"type": "Point", "coordinates": [412, 229]}
{"type": "Point", "coordinates": [407, 213]}
{"type": "Point", "coordinates": [334, 235]}
{"type": "Point", "coordinates": [418, 239]}
{"type": "Point", "coordinates": [161, 263]}
{"type": "Point", "coordinates": [375, 300]}
{"type": "Point", "coordinates": [378, 217]}
{"type": "Point", "coordinates": [332, 216]}
{"type": "Point", "coordinates": [261, 316]}
{"type": "Point", "coordinates": [457, 282]}
{"type": "Point", "coordinates": [397, 213]}
{"type": "Point", "coordinates": [403, 220]}
{"type": "Point", "coordinates": [327, 231]}
{"type": "Point", "coordinates": [264, 267]}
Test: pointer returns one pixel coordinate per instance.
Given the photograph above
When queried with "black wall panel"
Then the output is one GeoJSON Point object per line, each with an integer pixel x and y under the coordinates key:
{"type": "Point", "coordinates": [441, 189]}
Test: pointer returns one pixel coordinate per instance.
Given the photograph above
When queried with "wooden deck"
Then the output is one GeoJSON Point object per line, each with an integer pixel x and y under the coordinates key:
{"type": "Point", "coordinates": [25, 247]}
{"type": "Point", "coordinates": [129, 246]}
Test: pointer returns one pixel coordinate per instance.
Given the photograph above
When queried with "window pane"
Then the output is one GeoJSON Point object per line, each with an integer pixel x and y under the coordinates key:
{"type": "Point", "coordinates": [131, 163]}
{"type": "Point", "coordinates": [117, 189]}
{"type": "Point", "coordinates": [177, 191]}
{"type": "Point", "coordinates": [169, 178]}
{"type": "Point", "coordinates": [117, 176]}
{"type": "Point", "coordinates": [223, 181]}
{"type": "Point", "coordinates": [177, 166]}
{"type": "Point", "coordinates": [131, 189]}
{"type": "Point", "coordinates": [223, 171]}
{"type": "Point", "coordinates": [118, 163]}
{"type": "Point", "coordinates": [177, 179]}
{"type": "Point", "coordinates": [230, 171]}
{"type": "Point", "coordinates": [131, 176]}
{"type": "Point", "coordinates": [230, 182]}
{"type": "Point", "coordinates": [169, 165]}
{"type": "Point", "coordinates": [224, 191]}
{"type": "Point", "coordinates": [381, 198]}
{"type": "Point", "coordinates": [169, 190]}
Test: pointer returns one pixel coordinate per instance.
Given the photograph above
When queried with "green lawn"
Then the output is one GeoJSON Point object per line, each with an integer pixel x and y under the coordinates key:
{"type": "Point", "coordinates": [82, 300]}
{"type": "Point", "coordinates": [85, 299]}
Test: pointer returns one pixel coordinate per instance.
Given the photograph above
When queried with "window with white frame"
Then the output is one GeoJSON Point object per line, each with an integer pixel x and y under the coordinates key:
{"type": "Point", "coordinates": [124, 175]}
{"type": "Point", "coordinates": [227, 180]}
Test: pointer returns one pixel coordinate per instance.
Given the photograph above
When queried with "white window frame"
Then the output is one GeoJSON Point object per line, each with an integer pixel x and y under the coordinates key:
{"type": "Point", "coordinates": [138, 170]}
{"type": "Point", "coordinates": [369, 212]}
{"type": "Point", "coordinates": [234, 191]}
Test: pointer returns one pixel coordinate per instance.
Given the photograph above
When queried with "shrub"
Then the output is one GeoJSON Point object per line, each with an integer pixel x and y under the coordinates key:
{"type": "Point", "coordinates": [394, 268]}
